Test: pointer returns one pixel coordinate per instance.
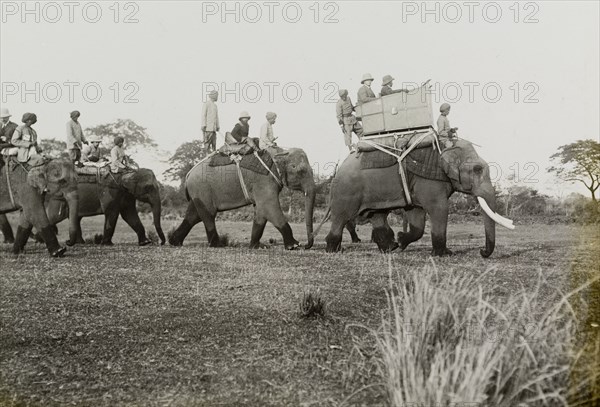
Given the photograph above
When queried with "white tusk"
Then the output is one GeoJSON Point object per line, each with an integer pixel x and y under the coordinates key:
{"type": "Point", "coordinates": [501, 220]}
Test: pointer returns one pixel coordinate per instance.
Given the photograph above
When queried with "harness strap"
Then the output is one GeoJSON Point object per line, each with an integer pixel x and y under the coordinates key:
{"type": "Point", "coordinates": [268, 169]}
{"type": "Point", "coordinates": [400, 158]}
{"type": "Point", "coordinates": [12, 198]}
{"type": "Point", "coordinates": [236, 159]}
{"type": "Point", "coordinates": [201, 161]}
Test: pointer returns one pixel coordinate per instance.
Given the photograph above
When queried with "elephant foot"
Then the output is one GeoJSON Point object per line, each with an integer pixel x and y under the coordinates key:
{"type": "Point", "coordinates": [442, 252]}
{"type": "Point", "coordinates": [145, 242]}
{"type": "Point", "coordinates": [257, 245]}
{"type": "Point", "coordinates": [334, 243]}
{"type": "Point", "coordinates": [70, 243]}
{"type": "Point", "coordinates": [485, 253]}
{"type": "Point", "coordinates": [175, 243]}
{"type": "Point", "coordinates": [356, 240]}
{"type": "Point", "coordinates": [60, 252]}
{"type": "Point", "coordinates": [293, 245]}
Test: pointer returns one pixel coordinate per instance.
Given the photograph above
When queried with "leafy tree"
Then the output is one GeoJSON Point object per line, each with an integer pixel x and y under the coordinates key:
{"type": "Point", "coordinates": [54, 148]}
{"type": "Point", "coordinates": [186, 156]}
{"type": "Point", "coordinates": [579, 161]}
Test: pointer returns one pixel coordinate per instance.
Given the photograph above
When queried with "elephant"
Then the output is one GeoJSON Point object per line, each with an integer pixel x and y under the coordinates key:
{"type": "Point", "coordinates": [111, 197]}
{"type": "Point", "coordinates": [216, 189]}
{"type": "Point", "coordinates": [354, 194]}
{"type": "Point", "coordinates": [28, 188]}
{"type": "Point", "coordinates": [6, 230]}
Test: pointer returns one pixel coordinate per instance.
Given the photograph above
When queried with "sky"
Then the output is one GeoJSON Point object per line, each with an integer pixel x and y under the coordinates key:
{"type": "Point", "coordinates": [522, 78]}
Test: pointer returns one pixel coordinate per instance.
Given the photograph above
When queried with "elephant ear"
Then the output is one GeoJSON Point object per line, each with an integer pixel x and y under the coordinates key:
{"type": "Point", "coordinates": [37, 178]}
{"type": "Point", "coordinates": [451, 160]}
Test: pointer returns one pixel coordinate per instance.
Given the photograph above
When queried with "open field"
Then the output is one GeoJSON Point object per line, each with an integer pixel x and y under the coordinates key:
{"type": "Point", "coordinates": [154, 325]}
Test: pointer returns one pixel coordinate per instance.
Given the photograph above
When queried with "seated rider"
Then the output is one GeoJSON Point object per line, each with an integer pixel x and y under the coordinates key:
{"type": "Point", "coordinates": [90, 153]}
{"type": "Point", "coordinates": [240, 132]}
{"type": "Point", "coordinates": [387, 84]}
{"type": "Point", "coordinates": [119, 162]}
{"type": "Point", "coordinates": [25, 139]}
{"type": "Point", "coordinates": [445, 132]}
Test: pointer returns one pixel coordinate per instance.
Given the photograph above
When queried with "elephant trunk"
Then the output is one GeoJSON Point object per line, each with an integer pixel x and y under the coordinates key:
{"type": "Point", "coordinates": [72, 199]}
{"type": "Point", "coordinates": [488, 204]}
{"type": "Point", "coordinates": [310, 193]}
{"type": "Point", "coordinates": [156, 211]}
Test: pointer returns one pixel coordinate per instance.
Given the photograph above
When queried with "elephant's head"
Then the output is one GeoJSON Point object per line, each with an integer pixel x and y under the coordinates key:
{"type": "Point", "coordinates": [144, 186]}
{"type": "Point", "coordinates": [470, 174]}
{"type": "Point", "coordinates": [297, 175]}
{"type": "Point", "coordinates": [58, 179]}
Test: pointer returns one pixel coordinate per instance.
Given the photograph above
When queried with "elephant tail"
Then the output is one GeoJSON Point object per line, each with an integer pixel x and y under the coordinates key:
{"type": "Point", "coordinates": [325, 219]}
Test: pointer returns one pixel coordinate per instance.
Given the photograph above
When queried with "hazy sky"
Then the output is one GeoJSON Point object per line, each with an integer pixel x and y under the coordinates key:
{"type": "Point", "coordinates": [544, 53]}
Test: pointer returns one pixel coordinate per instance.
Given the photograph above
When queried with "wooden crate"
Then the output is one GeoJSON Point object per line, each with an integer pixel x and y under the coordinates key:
{"type": "Point", "coordinates": [396, 112]}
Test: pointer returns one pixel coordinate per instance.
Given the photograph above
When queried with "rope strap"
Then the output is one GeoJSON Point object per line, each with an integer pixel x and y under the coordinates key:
{"type": "Point", "coordinates": [268, 169]}
{"type": "Point", "coordinates": [201, 161]}
{"type": "Point", "coordinates": [236, 159]}
{"type": "Point", "coordinates": [400, 158]}
{"type": "Point", "coordinates": [12, 198]}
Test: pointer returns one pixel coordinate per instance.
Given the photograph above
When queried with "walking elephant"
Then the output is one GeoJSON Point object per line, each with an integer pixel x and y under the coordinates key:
{"type": "Point", "coordinates": [25, 189]}
{"type": "Point", "coordinates": [373, 193]}
{"type": "Point", "coordinates": [113, 196]}
{"type": "Point", "coordinates": [213, 189]}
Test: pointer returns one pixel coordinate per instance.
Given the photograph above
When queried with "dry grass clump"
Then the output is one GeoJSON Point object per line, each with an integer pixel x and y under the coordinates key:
{"type": "Point", "coordinates": [96, 239]}
{"type": "Point", "coordinates": [446, 339]}
{"type": "Point", "coordinates": [153, 236]}
{"type": "Point", "coordinates": [312, 304]}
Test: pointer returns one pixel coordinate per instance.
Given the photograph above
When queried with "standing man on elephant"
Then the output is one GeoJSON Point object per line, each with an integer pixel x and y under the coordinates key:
{"type": "Point", "coordinates": [387, 83]}
{"type": "Point", "coordinates": [7, 128]}
{"type": "Point", "coordinates": [75, 138]}
{"type": "Point", "coordinates": [345, 116]}
{"type": "Point", "coordinates": [365, 93]}
{"type": "Point", "coordinates": [210, 122]}
{"type": "Point", "coordinates": [25, 139]}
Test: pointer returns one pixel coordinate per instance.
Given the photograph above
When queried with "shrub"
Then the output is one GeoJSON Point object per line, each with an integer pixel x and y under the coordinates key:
{"type": "Point", "coordinates": [312, 305]}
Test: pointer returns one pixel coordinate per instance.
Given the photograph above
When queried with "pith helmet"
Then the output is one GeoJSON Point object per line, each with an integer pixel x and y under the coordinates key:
{"type": "Point", "coordinates": [387, 79]}
{"type": "Point", "coordinates": [444, 106]}
{"type": "Point", "coordinates": [4, 113]}
{"type": "Point", "coordinates": [244, 114]}
{"type": "Point", "coordinates": [367, 77]}
{"type": "Point", "coordinates": [94, 138]}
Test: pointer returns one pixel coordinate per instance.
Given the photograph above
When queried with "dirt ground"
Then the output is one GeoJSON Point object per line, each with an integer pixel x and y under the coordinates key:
{"type": "Point", "coordinates": [153, 326]}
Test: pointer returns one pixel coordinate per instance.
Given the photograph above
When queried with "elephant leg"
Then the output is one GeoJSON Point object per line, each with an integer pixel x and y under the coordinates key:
{"type": "Point", "coordinates": [438, 214]}
{"type": "Point", "coordinates": [334, 237]}
{"type": "Point", "coordinates": [110, 223]}
{"type": "Point", "coordinates": [268, 206]}
{"type": "Point", "coordinates": [189, 221]}
{"type": "Point", "coordinates": [6, 230]}
{"type": "Point", "coordinates": [258, 227]}
{"type": "Point", "coordinates": [383, 234]}
{"type": "Point", "coordinates": [80, 238]}
{"type": "Point", "coordinates": [208, 218]}
{"type": "Point", "coordinates": [351, 228]}
{"type": "Point", "coordinates": [23, 232]}
{"type": "Point", "coordinates": [130, 215]}
{"type": "Point", "coordinates": [415, 219]}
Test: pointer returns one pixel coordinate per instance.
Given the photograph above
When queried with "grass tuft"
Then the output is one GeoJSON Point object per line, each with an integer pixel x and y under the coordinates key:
{"type": "Point", "coordinates": [153, 236]}
{"type": "Point", "coordinates": [97, 239]}
{"type": "Point", "coordinates": [312, 305]}
{"type": "Point", "coordinates": [447, 338]}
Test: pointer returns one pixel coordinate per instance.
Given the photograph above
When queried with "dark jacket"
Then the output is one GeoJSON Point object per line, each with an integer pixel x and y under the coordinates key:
{"type": "Point", "coordinates": [7, 131]}
{"type": "Point", "coordinates": [240, 132]}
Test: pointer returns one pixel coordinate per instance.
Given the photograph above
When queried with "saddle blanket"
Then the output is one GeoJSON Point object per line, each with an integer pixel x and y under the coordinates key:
{"type": "Point", "coordinates": [375, 159]}
{"type": "Point", "coordinates": [248, 162]}
{"type": "Point", "coordinates": [425, 162]}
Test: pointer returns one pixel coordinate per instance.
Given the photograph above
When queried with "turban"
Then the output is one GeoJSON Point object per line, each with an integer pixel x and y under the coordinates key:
{"type": "Point", "coordinates": [444, 106]}
{"type": "Point", "coordinates": [75, 113]}
{"type": "Point", "coordinates": [213, 93]}
{"type": "Point", "coordinates": [118, 139]}
{"type": "Point", "coordinates": [343, 92]}
{"type": "Point", "coordinates": [271, 115]}
{"type": "Point", "coordinates": [29, 116]}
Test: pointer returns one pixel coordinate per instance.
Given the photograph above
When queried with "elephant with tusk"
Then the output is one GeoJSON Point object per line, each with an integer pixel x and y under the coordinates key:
{"type": "Point", "coordinates": [373, 193]}
{"type": "Point", "coordinates": [216, 189]}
